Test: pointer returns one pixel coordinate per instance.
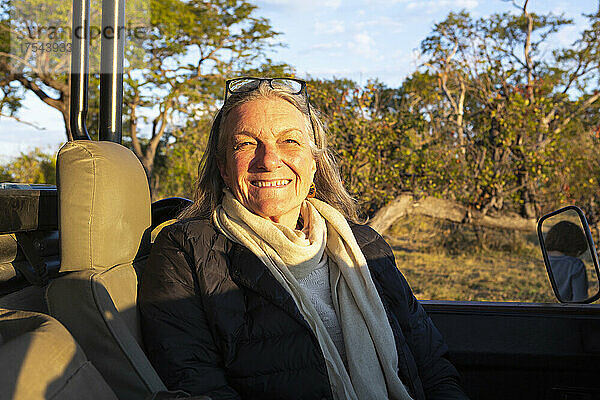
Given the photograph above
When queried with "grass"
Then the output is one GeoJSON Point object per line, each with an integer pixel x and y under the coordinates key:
{"type": "Point", "coordinates": [447, 261]}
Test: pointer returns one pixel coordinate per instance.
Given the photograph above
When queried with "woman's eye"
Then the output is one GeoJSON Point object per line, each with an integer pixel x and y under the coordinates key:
{"type": "Point", "coordinates": [293, 141]}
{"type": "Point", "coordinates": [242, 145]}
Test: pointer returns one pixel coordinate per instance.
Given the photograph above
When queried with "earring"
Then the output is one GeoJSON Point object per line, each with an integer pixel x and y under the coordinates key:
{"type": "Point", "coordinates": [312, 191]}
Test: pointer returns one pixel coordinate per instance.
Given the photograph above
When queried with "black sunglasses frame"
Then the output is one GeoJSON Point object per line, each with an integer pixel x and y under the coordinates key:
{"type": "Point", "coordinates": [303, 90]}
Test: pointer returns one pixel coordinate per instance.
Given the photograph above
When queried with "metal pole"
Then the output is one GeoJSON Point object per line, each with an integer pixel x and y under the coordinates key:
{"type": "Point", "coordinates": [80, 50]}
{"type": "Point", "coordinates": [111, 70]}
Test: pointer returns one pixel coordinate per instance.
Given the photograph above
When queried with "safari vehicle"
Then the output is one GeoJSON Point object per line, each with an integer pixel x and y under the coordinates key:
{"type": "Point", "coordinates": [71, 253]}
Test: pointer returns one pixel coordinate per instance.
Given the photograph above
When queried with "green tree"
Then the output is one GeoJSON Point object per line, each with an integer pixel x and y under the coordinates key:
{"type": "Point", "coordinates": [372, 138]}
{"type": "Point", "coordinates": [178, 160]}
{"type": "Point", "coordinates": [28, 68]}
{"type": "Point", "coordinates": [192, 47]}
{"type": "Point", "coordinates": [33, 167]}
{"type": "Point", "coordinates": [174, 69]}
{"type": "Point", "coordinates": [498, 111]}
{"type": "Point", "coordinates": [488, 121]}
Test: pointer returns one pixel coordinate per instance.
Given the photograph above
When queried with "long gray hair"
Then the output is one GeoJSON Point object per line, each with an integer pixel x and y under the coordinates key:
{"type": "Point", "coordinates": [209, 186]}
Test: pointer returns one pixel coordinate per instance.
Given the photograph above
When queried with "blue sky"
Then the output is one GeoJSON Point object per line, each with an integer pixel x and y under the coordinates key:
{"type": "Point", "coordinates": [356, 39]}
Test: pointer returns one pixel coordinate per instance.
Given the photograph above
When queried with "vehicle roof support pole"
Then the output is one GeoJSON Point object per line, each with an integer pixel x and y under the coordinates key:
{"type": "Point", "coordinates": [80, 50]}
{"type": "Point", "coordinates": [111, 70]}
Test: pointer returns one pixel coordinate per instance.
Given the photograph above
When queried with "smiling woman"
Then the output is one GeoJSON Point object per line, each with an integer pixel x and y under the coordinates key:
{"type": "Point", "coordinates": [267, 288]}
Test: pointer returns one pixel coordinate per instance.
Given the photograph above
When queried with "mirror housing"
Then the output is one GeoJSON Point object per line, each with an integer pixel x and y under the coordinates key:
{"type": "Point", "coordinates": [569, 255]}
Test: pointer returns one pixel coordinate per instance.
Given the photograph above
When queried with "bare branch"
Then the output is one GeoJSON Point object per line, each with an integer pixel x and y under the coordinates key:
{"type": "Point", "coordinates": [527, 52]}
{"type": "Point", "coordinates": [32, 124]}
{"type": "Point", "coordinates": [137, 148]}
{"type": "Point", "coordinates": [591, 100]}
{"type": "Point", "coordinates": [21, 60]}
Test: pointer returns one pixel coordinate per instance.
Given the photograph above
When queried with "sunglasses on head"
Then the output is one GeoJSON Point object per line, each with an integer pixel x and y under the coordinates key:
{"type": "Point", "coordinates": [291, 85]}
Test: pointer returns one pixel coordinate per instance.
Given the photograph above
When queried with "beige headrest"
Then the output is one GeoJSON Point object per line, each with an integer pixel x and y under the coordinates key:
{"type": "Point", "coordinates": [104, 204]}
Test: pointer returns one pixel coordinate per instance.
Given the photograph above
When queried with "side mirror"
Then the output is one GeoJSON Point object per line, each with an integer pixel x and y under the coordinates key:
{"type": "Point", "coordinates": [570, 255]}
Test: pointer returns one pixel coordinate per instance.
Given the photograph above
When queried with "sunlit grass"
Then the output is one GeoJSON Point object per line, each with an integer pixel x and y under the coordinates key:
{"type": "Point", "coordinates": [446, 261]}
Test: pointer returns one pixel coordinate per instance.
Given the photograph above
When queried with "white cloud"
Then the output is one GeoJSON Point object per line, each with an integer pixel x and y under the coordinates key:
{"type": "Point", "coordinates": [329, 27]}
{"type": "Point", "coordinates": [566, 36]}
{"type": "Point", "coordinates": [326, 46]}
{"type": "Point", "coordinates": [425, 4]}
{"type": "Point", "coordinates": [303, 5]}
{"type": "Point", "coordinates": [363, 45]}
{"type": "Point", "coordinates": [387, 2]}
{"type": "Point", "coordinates": [390, 25]}
{"type": "Point", "coordinates": [330, 49]}
{"type": "Point", "coordinates": [278, 2]}
{"type": "Point", "coordinates": [331, 71]}
{"type": "Point", "coordinates": [330, 3]}
{"type": "Point", "coordinates": [431, 6]}
{"type": "Point", "coordinates": [468, 4]}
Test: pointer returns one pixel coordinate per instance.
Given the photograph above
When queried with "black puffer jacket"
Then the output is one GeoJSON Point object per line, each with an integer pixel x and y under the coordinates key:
{"type": "Point", "coordinates": [215, 321]}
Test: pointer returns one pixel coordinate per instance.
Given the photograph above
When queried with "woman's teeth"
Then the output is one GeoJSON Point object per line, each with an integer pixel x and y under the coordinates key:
{"type": "Point", "coordinates": [262, 184]}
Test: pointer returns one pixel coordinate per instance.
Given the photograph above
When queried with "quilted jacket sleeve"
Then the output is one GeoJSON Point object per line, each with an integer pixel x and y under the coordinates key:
{"type": "Point", "coordinates": [178, 341]}
{"type": "Point", "coordinates": [438, 376]}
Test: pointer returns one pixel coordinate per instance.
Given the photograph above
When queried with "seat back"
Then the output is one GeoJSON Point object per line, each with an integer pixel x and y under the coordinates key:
{"type": "Point", "coordinates": [104, 214]}
{"type": "Point", "coordinates": [40, 360]}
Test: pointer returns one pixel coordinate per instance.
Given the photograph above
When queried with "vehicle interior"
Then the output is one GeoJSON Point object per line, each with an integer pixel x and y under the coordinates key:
{"type": "Point", "coordinates": [70, 255]}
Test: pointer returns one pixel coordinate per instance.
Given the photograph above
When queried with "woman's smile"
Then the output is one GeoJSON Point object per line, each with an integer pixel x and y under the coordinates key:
{"type": "Point", "coordinates": [271, 184]}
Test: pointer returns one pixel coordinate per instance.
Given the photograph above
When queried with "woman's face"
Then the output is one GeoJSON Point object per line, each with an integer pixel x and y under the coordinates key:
{"type": "Point", "coordinates": [269, 165]}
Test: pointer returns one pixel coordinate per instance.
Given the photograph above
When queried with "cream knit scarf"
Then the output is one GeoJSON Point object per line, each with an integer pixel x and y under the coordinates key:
{"type": "Point", "coordinates": [372, 359]}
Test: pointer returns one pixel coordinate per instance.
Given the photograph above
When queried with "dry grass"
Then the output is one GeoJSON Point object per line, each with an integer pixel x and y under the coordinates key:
{"type": "Point", "coordinates": [447, 261]}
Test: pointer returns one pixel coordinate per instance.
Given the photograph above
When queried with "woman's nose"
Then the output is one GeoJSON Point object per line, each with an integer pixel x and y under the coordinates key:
{"type": "Point", "coordinates": [267, 157]}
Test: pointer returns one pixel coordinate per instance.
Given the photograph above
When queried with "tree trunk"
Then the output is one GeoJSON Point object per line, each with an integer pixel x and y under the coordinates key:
{"type": "Point", "coordinates": [148, 164]}
{"type": "Point", "coordinates": [406, 204]}
{"type": "Point", "coordinates": [66, 114]}
{"type": "Point", "coordinates": [146, 157]}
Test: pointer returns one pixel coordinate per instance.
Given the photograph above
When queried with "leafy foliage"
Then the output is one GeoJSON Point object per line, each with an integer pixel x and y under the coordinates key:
{"type": "Point", "coordinates": [175, 65]}
{"type": "Point", "coordinates": [190, 48]}
{"type": "Point", "coordinates": [488, 120]}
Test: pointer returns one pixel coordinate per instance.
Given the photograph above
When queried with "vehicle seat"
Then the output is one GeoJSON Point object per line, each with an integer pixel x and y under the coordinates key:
{"type": "Point", "coordinates": [40, 360]}
{"type": "Point", "coordinates": [104, 224]}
